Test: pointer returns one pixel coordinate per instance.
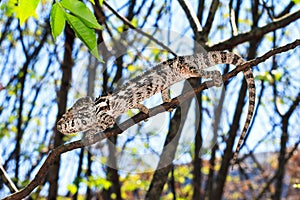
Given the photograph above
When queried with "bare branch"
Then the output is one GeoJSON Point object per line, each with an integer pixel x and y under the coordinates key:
{"type": "Point", "coordinates": [210, 18]}
{"type": "Point", "coordinates": [191, 15]}
{"type": "Point", "coordinates": [256, 33]}
{"type": "Point", "coordinates": [128, 23]}
{"type": "Point", "coordinates": [286, 10]}
{"type": "Point", "coordinates": [293, 107]}
{"type": "Point", "coordinates": [232, 18]}
{"type": "Point", "coordinates": [7, 180]}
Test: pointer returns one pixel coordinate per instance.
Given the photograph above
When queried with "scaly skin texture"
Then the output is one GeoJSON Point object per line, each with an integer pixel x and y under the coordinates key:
{"type": "Point", "coordinates": [100, 114]}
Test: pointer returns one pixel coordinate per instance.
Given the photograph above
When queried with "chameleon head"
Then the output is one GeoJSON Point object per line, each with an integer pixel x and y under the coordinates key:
{"type": "Point", "coordinates": [80, 117]}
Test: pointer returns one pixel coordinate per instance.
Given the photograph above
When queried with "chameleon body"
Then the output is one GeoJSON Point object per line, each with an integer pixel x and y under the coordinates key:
{"type": "Point", "coordinates": [100, 114]}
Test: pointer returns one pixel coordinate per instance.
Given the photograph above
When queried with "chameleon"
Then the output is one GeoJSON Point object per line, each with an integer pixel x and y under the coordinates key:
{"type": "Point", "coordinates": [99, 114]}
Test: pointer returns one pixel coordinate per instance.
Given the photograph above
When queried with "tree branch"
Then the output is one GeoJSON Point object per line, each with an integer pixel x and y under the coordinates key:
{"type": "Point", "coordinates": [210, 18]}
{"type": "Point", "coordinates": [128, 23]}
{"type": "Point", "coordinates": [7, 180]}
{"type": "Point", "coordinates": [256, 33]}
{"type": "Point", "coordinates": [191, 15]}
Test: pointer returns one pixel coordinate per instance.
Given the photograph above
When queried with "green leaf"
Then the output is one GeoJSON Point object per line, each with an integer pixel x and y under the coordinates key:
{"type": "Point", "coordinates": [57, 20]}
{"type": "Point", "coordinates": [134, 22]}
{"type": "Point", "coordinates": [296, 185]}
{"type": "Point", "coordinates": [11, 118]}
{"type": "Point", "coordinates": [97, 182]}
{"type": "Point", "coordinates": [113, 196]}
{"type": "Point", "coordinates": [80, 10]}
{"type": "Point", "coordinates": [277, 75]}
{"type": "Point", "coordinates": [105, 183]}
{"type": "Point", "coordinates": [3, 131]}
{"type": "Point", "coordinates": [101, 2]}
{"type": "Point", "coordinates": [26, 9]}
{"type": "Point", "coordinates": [296, 1]}
{"type": "Point", "coordinates": [84, 33]}
{"type": "Point", "coordinates": [11, 7]}
{"type": "Point", "coordinates": [131, 68]}
{"type": "Point", "coordinates": [72, 188]}
{"type": "Point", "coordinates": [14, 129]}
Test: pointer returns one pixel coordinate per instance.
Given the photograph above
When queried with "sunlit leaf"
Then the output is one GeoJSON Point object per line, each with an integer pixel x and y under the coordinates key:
{"type": "Point", "coordinates": [245, 21]}
{"type": "Point", "coordinates": [31, 73]}
{"type": "Point", "coordinates": [11, 7]}
{"type": "Point", "coordinates": [80, 10]}
{"type": "Point", "coordinates": [24, 182]}
{"type": "Point", "coordinates": [270, 78]}
{"type": "Point", "coordinates": [134, 22]}
{"type": "Point", "coordinates": [134, 150]}
{"type": "Point", "coordinates": [11, 118]}
{"type": "Point", "coordinates": [296, 1]}
{"type": "Point", "coordinates": [120, 28]}
{"type": "Point", "coordinates": [103, 159]}
{"type": "Point", "coordinates": [296, 185]}
{"type": "Point", "coordinates": [14, 129]}
{"type": "Point", "coordinates": [170, 196]}
{"type": "Point", "coordinates": [277, 74]}
{"type": "Point", "coordinates": [105, 183]}
{"type": "Point", "coordinates": [187, 188]}
{"type": "Point", "coordinates": [181, 179]}
{"type": "Point", "coordinates": [57, 20]}
{"type": "Point", "coordinates": [26, 9]}
{"type": "Point", "coordinates": [3, 131]}
{"type": "Point", "coordinates": [131, 68]}
{"type": "Point", "coordinates": [205, 170]}
{"type": "Point", "coordinates": [98, 182]}
{"type": "Point", "coordinates": [113, 196]}
{"type": "Point", "coordinates": [270, 38]}
{"type": "Point", "coordinates": [226, 15]}
{"type": "Point", "coordinates": [72, 188]}
{"type": "Point", "coordinates": [280, 100]}
{"type": "Point", "coordinates": [11, 90]}
{"type": "Point", "coordinates": [101, 2]}
{"type": "Point", "coordinates": [84, 33]}
{"type": "Point", "coordinates": [146, 145]}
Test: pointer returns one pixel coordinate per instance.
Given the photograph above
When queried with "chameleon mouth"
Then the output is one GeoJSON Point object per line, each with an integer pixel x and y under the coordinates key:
{"type": "Point", "coordinates": [65, 127]}
{"type": "Point", "coordinates": [60, 124]}
{"type": "Point", "coordinates": [70, 123]}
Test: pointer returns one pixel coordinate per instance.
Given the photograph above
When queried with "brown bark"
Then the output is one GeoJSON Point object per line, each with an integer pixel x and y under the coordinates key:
{"type": "Point", "coordinates": [66, 67]}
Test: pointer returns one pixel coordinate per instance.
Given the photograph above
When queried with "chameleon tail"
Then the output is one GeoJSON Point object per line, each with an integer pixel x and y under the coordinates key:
{"type": "Point", "coordinates": [251, 89]}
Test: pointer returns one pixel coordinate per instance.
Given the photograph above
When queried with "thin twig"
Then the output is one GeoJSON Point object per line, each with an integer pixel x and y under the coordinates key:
{"type": "Point", "coordinates": [6, 179]}
{"type": "Point", "coordinates": [130, 25]}
{"type": "Point", "coordinates": [256, 33]}
{"type": "Point", "coordinates": [211, 16]}
{"type": "Point", "coordinates": [232, 18]}
{"type": "Point", "coordinates": [191, 16]}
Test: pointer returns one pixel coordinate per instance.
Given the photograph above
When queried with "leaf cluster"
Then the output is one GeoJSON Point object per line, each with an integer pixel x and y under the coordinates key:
{"type": "Point", "coordinates": [74, 12]}
{"type": "Point", "coordinates": [81, 20]}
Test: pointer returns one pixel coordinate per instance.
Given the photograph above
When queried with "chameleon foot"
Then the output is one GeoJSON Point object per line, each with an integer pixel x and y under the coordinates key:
{"type": "Point", "coordinates": [143, 109]}
{"type": "Point", "coordinates": [166, 98]}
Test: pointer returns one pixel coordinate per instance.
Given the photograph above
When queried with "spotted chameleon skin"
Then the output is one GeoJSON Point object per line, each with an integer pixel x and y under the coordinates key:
{"type": "Point", "coordinates": [101, 113]}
